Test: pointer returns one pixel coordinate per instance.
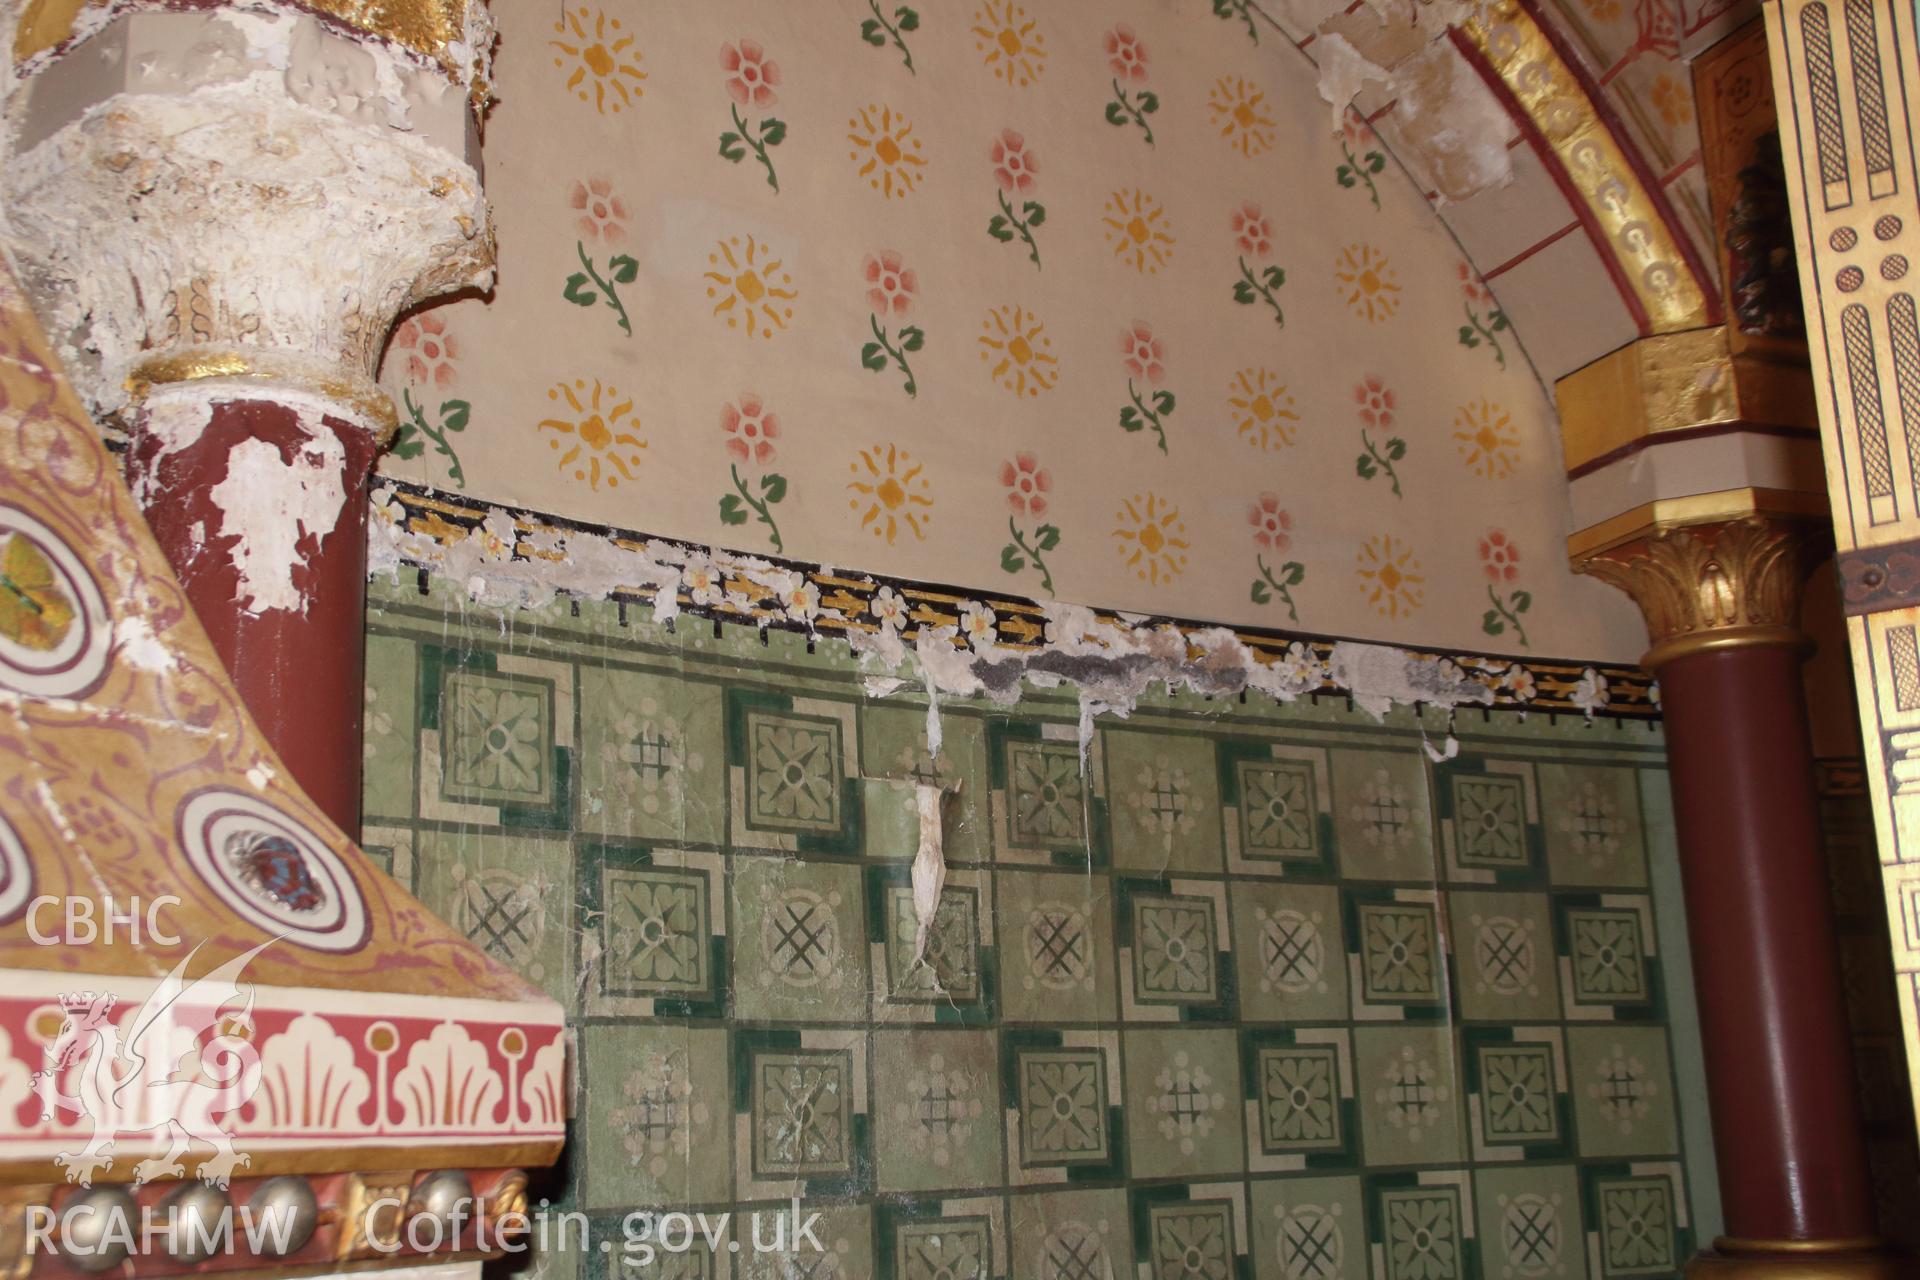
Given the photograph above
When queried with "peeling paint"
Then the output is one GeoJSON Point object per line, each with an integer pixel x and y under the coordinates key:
{"type": "Point", "coordinates": [929, 864]}
{"type": "Point", "coordinates": [136, 644]}
{"type": "Point", "coordinates": [269, 505]}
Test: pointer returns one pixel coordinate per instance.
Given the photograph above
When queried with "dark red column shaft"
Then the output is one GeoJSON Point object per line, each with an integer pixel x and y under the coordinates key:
{"type": "Point", "coordinates": [1786, 1126]}
{"type": "Point", "coordinates": [299, 671]}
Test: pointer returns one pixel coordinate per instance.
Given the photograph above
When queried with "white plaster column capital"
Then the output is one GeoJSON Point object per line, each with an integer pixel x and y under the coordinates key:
{"type": "Point", "coordinates": [240, 196]}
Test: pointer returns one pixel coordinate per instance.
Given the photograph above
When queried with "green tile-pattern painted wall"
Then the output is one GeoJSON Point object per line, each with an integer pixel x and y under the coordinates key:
{"type": "Point", "coordinates": [1258, 991]}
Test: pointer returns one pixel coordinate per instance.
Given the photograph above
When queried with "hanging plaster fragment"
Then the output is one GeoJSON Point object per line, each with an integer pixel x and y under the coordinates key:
{"type": "Point", "coordinates": [929, 863]}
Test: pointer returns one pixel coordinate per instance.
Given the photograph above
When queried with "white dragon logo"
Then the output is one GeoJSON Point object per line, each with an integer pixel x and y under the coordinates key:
{"type": "Point", "coordinates": [161, 1076]}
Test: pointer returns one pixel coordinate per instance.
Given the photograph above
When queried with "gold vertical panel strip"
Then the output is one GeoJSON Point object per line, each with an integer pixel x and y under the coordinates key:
{"type": "Point", "coordinates": [1856, 245]}
{"type": "Point", "coordinates": [1647, 253]}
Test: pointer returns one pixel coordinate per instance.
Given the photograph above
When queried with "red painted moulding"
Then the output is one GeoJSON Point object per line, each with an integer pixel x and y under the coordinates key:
{"type": "Point", "coordinates": [1780, 1083]}
{"type": "Point", "coordinates": [301, 672]}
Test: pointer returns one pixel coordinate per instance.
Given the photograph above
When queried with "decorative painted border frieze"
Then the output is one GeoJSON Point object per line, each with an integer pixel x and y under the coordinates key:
{"type": "Point", "coordinates": [505, 556]}
{"type": "Point", "coordinates": [1634, 230]}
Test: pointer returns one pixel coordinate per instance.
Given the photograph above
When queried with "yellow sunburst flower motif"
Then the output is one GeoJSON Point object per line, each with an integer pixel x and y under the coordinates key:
{"type": "Point", "coordinates": [1242, 114]}
{"type": "Point", "coordinates": [1152, 539]}
{"type": "Point", "coordinates": [1018, 351]}
{"type": "Point", "coordinates": [1139, 230]}
{"type": "Point", "coordinates": [1368, 282]}
{"type": "Point", "coordinates": [1391, 577]}
{"type": "Point", "coordinates": [1263, 409]}
{"type": "Point", "coordinates": [1013, 46]}
{"type": "Point", "coordinates": [891, 492]}
{"type": "Point", "coordinates": [750, 287]}
{"type": "Point", "coordinates": [601, 435]}
{"type": "Point", "coordinates": [1487, 439]}
{"type": "Point", "coordinates": [884, 147]}
{"type": "Point", "coordinates": [606, 66]}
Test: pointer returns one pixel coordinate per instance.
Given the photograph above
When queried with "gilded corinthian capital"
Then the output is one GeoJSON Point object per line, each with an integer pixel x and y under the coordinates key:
{"type": "Point", "coordinates": [1721, 585]}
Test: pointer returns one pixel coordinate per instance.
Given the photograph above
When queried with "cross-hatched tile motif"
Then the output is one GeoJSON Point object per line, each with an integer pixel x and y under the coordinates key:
{"type": "Point", "coordinates": [1422, 1231]}
{"type": "Point", "coordinates": [1192, 1241]}
{"type": "Point", "coordinates": [1489, 820]}
{"type": "Point", "coordinates": [1278, 814]}
{"type": "Point", "coordinates": [950, 1249]}
{"type": "Point", "coordinates": [1059, 946]}
{"type": "Point", "coordinates": [503, 914]}
{"type": "Point", "coordinates": [801, 935]}
{"type": "Point", "coordinates": [1518, 1098]}
{"type": "Point", "coordinates": [1063, 1106]}
{"type": "Point", "coordinates": [793, 774]}
{"type": "Point", "coordinates": [1609, 962]}
{"type": "Point", "coordinates": [496, 739]}
{"type": "Point", "coordinates": [1299, 1098]}
{"type": "Point", "coordinates": [1293, 957]}
{"type": "Point", "coordinates": [1637, 1220]}
{"type": "Point", "coordinates": [1174, 951]}
{"type": "Point", "coordinates": [1399, 949]}
{"type": "Point", "coordinates": [1045, 795]}
{"type": "Point", "coordinates": [1311, 1244]}
{"type": "Point", "coordinates": [802, 1109]}
{"type": "Point", "coordinates": [656, 932]}
{"type": "Point", "coordinates": [1503, 949]}
{"type": "Point", "coordinates": [949, 969]}
{"type": "Point", "coordinates": [1530, 1235]}
{"type": "Point", "coordinates": [1075, 1251]}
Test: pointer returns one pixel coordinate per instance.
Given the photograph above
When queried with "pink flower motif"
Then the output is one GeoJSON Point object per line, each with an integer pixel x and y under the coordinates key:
{"type": "Point", "coordinates": [750, 430]}
{"type": "Point", "coordinates": [603, 215]}
{"type": "Point", "coordinates": [1014, 167]}
{"type": "Point", "coordinates": [1354, 126]}
{"type": "Point", "coordinates": [1253, 232]}
{"type": "Point", "coordinates": [751, 74]}
{"type": "Point", "coordinates": [1472, 287]}
{"type": "Point", "coordinates": [1375, 401]}
{"type": "Point", "coordinates": [430, 350]}
{"type": "Point", "coordinates": [1272, 527]}
{"type": "Point", "coordinates": [1126, 55]}
{"type": "Point", "coordinates": [1499, 557]}
{"type": "Point", "coordinates": [890, 285]}
{"type": "Point", "coordinates": [1027, 484]}
{"type": "Point", "coordinates": [1144, 355]}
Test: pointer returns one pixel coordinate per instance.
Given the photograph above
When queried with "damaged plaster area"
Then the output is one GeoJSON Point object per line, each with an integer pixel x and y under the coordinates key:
{"type": "Point", "coordinates": [160, 175]}
{"type": "Point", "coordinates": [1444, 124]}
{"type": "Point", "coordinates": [965, 651]}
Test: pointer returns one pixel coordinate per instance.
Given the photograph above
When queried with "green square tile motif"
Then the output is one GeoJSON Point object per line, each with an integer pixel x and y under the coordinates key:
{"type": "Point", "coordinates": [799, 940]}
{"type": "Point", "coordinates": [1264, 992]}
{"type": "Point", "coordinates": [1183, 1102]}
{"type": "Point", "coordinates": [1056, 946]}
{"type": "Point", "coordinates": [1530, 1221]}
{"type": "Point", "coordinates": [937, 1120]}
{"type": "Point", "coordinates": [1608, 957]}
{"type": "Point", "coordinates": [1279, 813]}
{"type": "Point", "coordinates": [1489, 820]}
{"type": "Point", "coordinates": [801, 1113]}
{"type": "Point", "coordinates": [1191, 1240]}
{"type": "Point", "coordinates": [1046, 798]}
{"type": "Point", "coordinates": [1504, 956]}
{"type": "Point", "coordinates": [1638, 1224]}
{"type": "Point", "coordinates": [1175, 953]}
{"type": "Point", "coordinates": [1298, 1094]}
{"type": "Point", "coordinates": [1400, 959]}
{"type": "Point", "coordinates": [1382, 819]}
{"type": "Point", "coordinates": [651, 756]}
{"type": "Point", "coordinates": [1591, 815]}
{"type": "Point", "coordinates": [1163, 801]}
{"type": "Point", "coordinates": [1422, 1233]}
{"type": "Point", "coordinates": [1063, 1107]}
{"type": "Point", "coordinates": [656, 1115]}
{"type": "Point", "coordinates": [1308, 1228]}
{"type": "Point", "coordinates": [496, 739]}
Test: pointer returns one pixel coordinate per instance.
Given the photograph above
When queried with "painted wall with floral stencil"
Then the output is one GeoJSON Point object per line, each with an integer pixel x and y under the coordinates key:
{"type": "Point", "coordinates": [1075, 301]}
